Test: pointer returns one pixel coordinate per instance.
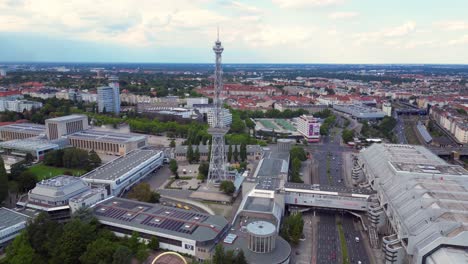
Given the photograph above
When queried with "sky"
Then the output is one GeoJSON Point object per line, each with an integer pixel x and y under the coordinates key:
{"type": "Point", "coordinates": [254, 31]}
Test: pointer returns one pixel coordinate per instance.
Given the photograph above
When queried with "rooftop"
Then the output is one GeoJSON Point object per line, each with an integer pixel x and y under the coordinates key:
{"type": "Point", "coordinates": [24, 127]}
{"type": "Point", "coordinates": [28, 144]}
{"type": "Point", "coordinates": [66, 118]}
{"type": "Point", "coordinates": [122, 165]}
{"type": "Point", "coordinates": [259, 204]}
{"type": "Point", "coordinates": [10, 218]}
{"type": "Point", "coordinates": [328, 188]}
{"type": "Point", "coordinates": [106, 136]}
{"type": "Point", "coordinates": [162, 219]}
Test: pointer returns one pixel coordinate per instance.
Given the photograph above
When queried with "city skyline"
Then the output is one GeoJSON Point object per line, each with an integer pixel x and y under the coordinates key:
{"type": "Point", "coordinates": [277, 31]}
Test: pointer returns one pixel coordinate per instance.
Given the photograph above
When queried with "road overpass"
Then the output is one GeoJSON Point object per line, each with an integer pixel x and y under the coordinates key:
{"type": "Point", "coordinates": [331, 197]}
{"type": "Point", "coordinates": [447, 151]}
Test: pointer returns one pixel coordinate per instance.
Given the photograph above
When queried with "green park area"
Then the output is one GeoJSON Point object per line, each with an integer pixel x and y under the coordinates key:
{"type": "Point", "coordinates": [44, 172]}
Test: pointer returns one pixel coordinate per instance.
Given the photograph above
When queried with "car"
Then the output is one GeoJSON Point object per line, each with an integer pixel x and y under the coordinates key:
{"type": "Point", "coordinates": [356, 239]}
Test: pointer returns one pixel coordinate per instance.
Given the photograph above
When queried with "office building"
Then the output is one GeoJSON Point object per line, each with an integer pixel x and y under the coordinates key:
{"type": "Point", "coordinates": [421, 206]}
{"type": "Point", "coordinates": [109, 97]}
{"type": "Point", "coordinates": [11, 225]}
{"type": "Point", "coordinates": [192, 233]}
{"type": "Point", "coordinates": [309, 127]}
{"type": "Point", "coordinates": [122, 173]}
{"type": "Point", "coordinates": [21, 131]}
{"type": "Point", "coordinates": [65, 125]}
{"type": "Point", "coordinates": [226, 117]}
{"type": "Point", "coordinates": [107, 142]}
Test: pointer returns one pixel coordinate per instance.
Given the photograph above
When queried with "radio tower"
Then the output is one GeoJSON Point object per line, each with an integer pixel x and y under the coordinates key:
{"type": "Point", "coordinates": [217, 170]}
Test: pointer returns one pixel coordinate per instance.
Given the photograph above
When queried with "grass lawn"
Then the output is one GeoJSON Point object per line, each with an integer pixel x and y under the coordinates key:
{"type": "Point", "coordinates": [410, 134]}
{"type": "Point", "coordinates": [344, 248]}
{"type": "Point", "coordinates": [44, 172]}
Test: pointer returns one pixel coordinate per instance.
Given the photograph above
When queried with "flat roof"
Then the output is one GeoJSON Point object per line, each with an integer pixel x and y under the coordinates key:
{"type": "Point", "coordinates": [106, 136]}
{"type": "Point", "coordinates": [10, 218]}
{"type": "Point", "coordinates": [162, 219]}
{"type": "Point", "coordinates": [66, 118]}
{"type": "Point", "coordinates": [259, 204]}
{"type": "Point", "coordinates": [28, 144]}
{"type": "Point", "coordinates": [122, 165]}
{"type": "Point", "coordinates": [24, 127]}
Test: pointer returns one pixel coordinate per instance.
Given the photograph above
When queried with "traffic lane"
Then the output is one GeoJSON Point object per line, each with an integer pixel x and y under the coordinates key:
{"type": "Point", "coordinates": [327, 248]}
{"type": "Point", "coordinates": [356, 250]}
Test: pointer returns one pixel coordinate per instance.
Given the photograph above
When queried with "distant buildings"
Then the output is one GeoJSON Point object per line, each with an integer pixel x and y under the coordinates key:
{"type": "Point", "coordinates": [196, 100]}
{"type": "Point", "coordinates": [226, 116]}
{"type": "Point", "coordinates": [19, 106]}
{"type": "Point", "coordinates": [452, 121]}
{"type": "Point", "coordinates": [361, 112]}
{"type": "Point", "coordinates": [109, 97]}
{"type": "Point", "coordinates": [21, 131]}
{"type": "Point", "coordinates": [309, 127]}
{"type": "Point", "coordinates": [387, 108]}
{"type": "Point", "coordinates": [12, 223]}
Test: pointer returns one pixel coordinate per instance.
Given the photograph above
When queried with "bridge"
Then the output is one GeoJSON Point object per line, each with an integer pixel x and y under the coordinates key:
{"type": "Point", "coordinates": [333, 197]}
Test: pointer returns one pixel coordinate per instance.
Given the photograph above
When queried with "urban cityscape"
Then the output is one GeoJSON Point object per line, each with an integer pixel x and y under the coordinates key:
{"type": "Point", "coordinates": [228, 160]}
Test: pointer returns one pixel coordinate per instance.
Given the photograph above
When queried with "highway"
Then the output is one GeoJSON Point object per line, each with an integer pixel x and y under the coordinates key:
{"type": "Point", "coordinates": [327, 249]}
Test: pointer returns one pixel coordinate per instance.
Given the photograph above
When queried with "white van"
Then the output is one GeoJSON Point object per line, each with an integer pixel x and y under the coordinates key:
{"type": "Point", "coordinates": [356, 239]}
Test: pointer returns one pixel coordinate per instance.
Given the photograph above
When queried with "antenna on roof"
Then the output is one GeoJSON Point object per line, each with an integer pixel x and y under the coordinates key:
{"type": "Point", "coordinates": [218, 32]}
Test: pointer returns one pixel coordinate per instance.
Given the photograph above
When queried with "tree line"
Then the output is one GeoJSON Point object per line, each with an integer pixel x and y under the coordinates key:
{"type": "Point", "coordinates": [296, 156]}
{"type": "Point", "coordinates": [72, 158]}
{"type": "Point", "coordinates": [82, 240]}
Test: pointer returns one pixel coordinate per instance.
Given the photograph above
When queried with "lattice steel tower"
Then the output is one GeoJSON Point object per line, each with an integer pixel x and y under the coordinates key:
{"type": "Point", "coordinates": [217, 170]}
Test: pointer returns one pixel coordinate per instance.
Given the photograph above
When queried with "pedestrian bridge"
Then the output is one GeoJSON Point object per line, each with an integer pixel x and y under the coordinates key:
{"type": "Point", "coordinates": [333, 197]}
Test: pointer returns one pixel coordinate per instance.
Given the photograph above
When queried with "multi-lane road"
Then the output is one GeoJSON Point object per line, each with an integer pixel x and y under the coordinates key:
{"type": "Point", "coordinates": [328, 248]}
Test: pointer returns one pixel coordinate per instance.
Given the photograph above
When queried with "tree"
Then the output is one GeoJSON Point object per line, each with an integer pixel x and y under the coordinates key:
{"type": "Point", "coordinates": [3, 181]}
{"type": "Point", "coordinates": [174, 167]}
{"type": "Point", "coordinates": [99, 251]}
{"type": "Point", "coordinates": [142, 253]}
{"type": "Point", "coordinates": [29, 158]}
{"type": "Point", "coordinates": [347, 135]}
{"type": "Point", "coordinates": [20, 251]}
{"type": "Point", "coordinates": [229, 155]}
{"type": "Point", "coordinates": [154, 243]}
{"type": "Point", "coordinates": [142, 192]}
{"type": "Point", "coordinates": [190, 153]}
{"type": "Point", "coordinates": [172, 144]}
{"type": "Point", "coordinates": [292, 228]}
{"type": "Point", "coordinates": [122, 255]}
{"type": "Point", "coordinates": [236, 154]}
{"type": "Point", "coordinates": [243, 152]}
{"type": "Point", "coordinates": [218, 256]}
{"type": "Point", "coordinates": [94, 159]}
{"type": "Point", "coordinates": [196, 155]}
{"type": "Point", "coordinates": [240, 258]}
{"type": "Point", "coordinates": [298, 152]}
{"type": "Point", "coordinates": [26, 181]}
{"type": "Point", "coordinates": [203, 169]}
{"type": "Point", "coordinates": [227, 187]}
{"type": "Point", "coordinates": [104, 110]}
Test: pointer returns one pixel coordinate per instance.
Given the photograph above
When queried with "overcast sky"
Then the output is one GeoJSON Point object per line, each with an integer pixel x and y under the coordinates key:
{"type": "Point", "coordinates": [263, 31]}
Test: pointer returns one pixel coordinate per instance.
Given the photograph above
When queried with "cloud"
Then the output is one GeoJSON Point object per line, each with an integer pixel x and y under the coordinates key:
{"type": "Point", "coordinates": [452, 25]}
{"type": "Point", "coordinates": [343, 15]}
{"type": "Point", "coordinates": [463, 40]}
{"type": "Point", "coordinates": [242, 7]}
{"type": "Point", "coordinates": [385, 35]}
{"type": "Point", "coordinates": [305, 3]}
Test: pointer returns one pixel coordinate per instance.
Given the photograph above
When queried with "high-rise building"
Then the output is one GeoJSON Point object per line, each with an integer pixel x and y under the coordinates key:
{"type": "Point", "coordinates": [109, 97]}
{"type": "Point", "coordinates": [309, 127]}
{"type": "Point", "coordinates": [65, 125]}
{"type": "Point", "coordinates": [387, 108]}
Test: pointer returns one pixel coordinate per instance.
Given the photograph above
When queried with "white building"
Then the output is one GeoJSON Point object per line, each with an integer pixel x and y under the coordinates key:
{"type": "Point", "coordinates": [226, 116]}
{"type": "Point", "coordinates": [387, 108]}
{"type": "Point", "coordinates": [309, 127]}
{"type": "Point", "coordinates": [19, 105]}
{"type": "Point", "coordinates": [122, 173]}
{"type": "Point", "coordinates": [12, 223]}
{"type": "Point", "coordinates": [87, 199]}
{"type": "Point", "coordinates": [89, 97]}
{"type": "Point", "coordinates": [197, 100]}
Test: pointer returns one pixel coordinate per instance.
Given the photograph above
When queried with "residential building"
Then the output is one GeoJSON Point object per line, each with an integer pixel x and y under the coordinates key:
{"type": "Point", "coordinates": [109, 97]}
{"type": "Point", "coordinates": [387, 108]}
{"type": "Point", "coordinates": [19, 106]}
